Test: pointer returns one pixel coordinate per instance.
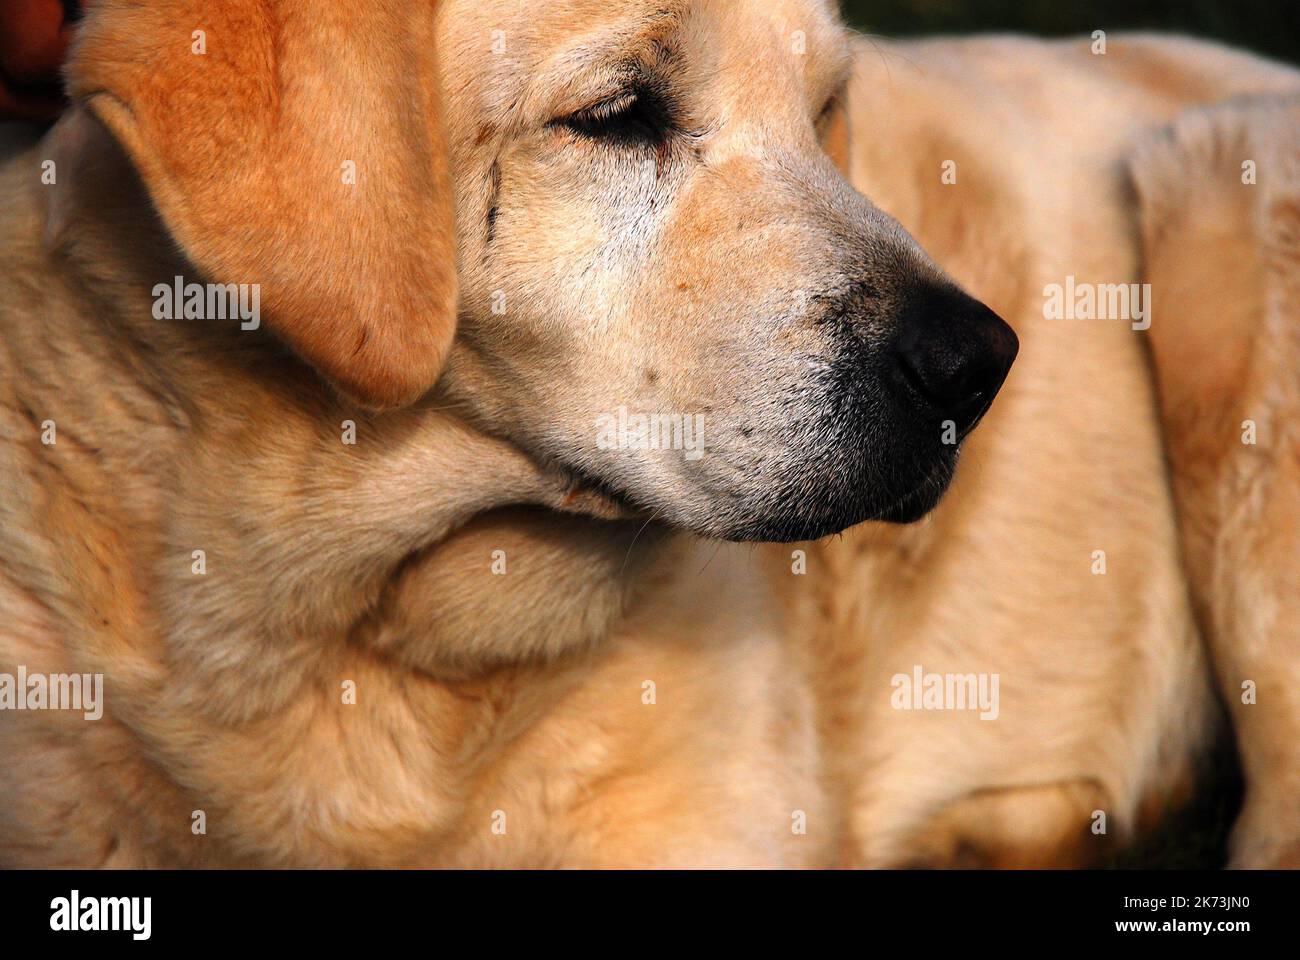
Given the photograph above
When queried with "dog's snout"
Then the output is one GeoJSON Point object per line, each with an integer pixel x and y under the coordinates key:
{"type": "Point", "coordinates": [953, 353]}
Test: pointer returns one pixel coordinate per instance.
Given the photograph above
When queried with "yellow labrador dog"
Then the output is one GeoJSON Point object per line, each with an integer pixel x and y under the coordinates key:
{"type": "Point", "coordinates": [389, 436]}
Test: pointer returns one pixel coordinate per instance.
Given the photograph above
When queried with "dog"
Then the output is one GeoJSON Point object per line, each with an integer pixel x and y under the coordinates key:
{"type": "Point", "coordinates": [395, 578]}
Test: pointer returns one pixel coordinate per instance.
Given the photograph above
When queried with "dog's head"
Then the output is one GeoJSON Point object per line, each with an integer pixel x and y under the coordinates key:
{"type": "Point", "coordinates": [667, 288]}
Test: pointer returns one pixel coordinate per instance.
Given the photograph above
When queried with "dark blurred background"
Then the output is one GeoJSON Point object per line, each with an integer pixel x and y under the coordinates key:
{"type": "Point", "coordinates": [1267, 26]}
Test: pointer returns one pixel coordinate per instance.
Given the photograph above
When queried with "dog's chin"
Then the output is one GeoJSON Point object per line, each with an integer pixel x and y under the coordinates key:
{"type": "Point", "coordinates": [911, 502]}
{"type": "Point", "coordinates": [917, 503]}
{"type": "Point", "coordinates": [794, 528]}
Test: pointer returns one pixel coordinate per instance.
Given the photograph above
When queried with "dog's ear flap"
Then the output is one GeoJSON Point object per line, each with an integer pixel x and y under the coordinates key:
{"type": "Point", "coordinates": [286, 144]}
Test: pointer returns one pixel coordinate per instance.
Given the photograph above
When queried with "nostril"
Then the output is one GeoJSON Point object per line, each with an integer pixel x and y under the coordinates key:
{"type": "Point", "coordinates": [944, 375]}
{"type": "Point", "coordinates": [921, 375]}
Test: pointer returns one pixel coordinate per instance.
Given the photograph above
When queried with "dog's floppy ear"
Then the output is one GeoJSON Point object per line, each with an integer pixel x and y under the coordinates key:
{"type": "Point", "coordinates": [297, 145]}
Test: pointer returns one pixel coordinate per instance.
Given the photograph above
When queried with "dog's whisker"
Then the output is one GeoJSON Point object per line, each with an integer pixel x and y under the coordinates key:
{"type": "Point", "coordinates": [636, 537]}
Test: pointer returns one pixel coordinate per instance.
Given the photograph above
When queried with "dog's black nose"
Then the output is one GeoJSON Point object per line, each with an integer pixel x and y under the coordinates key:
{"type": "Point", "coordinates": [953, 353]}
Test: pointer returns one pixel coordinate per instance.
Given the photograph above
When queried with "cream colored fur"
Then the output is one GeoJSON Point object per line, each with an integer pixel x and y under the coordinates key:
{"type": "Point", "coordinates": [1223, 186]}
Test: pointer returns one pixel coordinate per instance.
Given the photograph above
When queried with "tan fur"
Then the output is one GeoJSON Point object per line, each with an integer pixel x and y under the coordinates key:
{"type": "Point", "coordinates": [1227, 359]}
{"type": "Point", "coordinates": [222, 137]}
{"type": "Point", "coordinates": [524, 699]}
{"type": "Point", "coordinates": [1108, 668]}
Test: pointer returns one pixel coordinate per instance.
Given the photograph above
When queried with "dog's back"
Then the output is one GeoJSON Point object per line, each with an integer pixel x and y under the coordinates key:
{"type": "Point", "coordinates": [1055, 561]}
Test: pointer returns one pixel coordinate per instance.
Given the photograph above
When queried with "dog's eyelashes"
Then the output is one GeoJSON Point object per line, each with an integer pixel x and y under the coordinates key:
{"type": "Point", "coordinates": [639, 117]}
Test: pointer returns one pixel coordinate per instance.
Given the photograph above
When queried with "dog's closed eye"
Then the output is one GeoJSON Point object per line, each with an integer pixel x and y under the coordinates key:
{"type": "Point", "coordinates": [637, 117]}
